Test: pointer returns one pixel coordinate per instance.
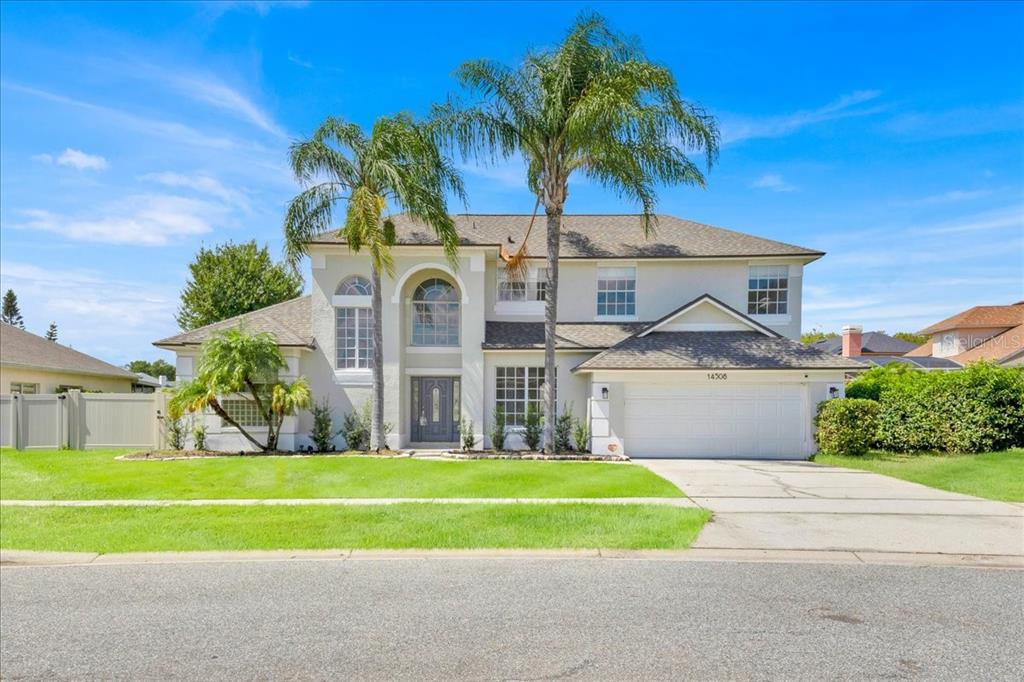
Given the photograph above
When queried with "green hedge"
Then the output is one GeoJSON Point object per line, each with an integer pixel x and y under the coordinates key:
{"type": "Point", "coordinates": [976, 409]}
{"type": "Point", "coordinates": [846, 426]}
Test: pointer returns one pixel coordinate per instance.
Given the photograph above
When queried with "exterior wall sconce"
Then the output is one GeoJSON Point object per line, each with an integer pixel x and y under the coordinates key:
{"type": "Point", "coordinates": [604, 393]}
{"type": "Point", "coordinates": [833, 391]}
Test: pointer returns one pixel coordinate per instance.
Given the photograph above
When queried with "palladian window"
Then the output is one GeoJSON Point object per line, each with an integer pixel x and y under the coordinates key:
{"type": "Point", "coordinates": [435, 314]}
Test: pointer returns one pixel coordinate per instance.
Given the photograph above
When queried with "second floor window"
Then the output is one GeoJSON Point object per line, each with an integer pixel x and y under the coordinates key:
{"type": "Point", "coordinates": [616, 292]}
{"type": "Point", "coordinates": [435, 314]}
{"type": "Point", "coordinates": [534, 288]}
{"type": "Point", "coordinates": [353, 334]}
{"type": "Point", "coordinates": [768, 290]}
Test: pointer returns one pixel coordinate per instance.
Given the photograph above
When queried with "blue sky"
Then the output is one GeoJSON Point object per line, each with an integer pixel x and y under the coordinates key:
{"type": "Point", "coordinates": [889, 135]}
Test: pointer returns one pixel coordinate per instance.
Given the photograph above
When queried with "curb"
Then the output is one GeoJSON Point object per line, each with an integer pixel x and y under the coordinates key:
{"type": "Point", "coordinates": [26, 558]}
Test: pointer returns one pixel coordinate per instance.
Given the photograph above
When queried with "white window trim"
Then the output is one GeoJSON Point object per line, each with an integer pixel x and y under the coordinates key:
{"type": "Point", "coordinates": [362, 311]}
{"type": "Point", "coordinates": [339, 301]}
{"type": "Point", "coordinates": [353, 377]}
{"type": "Point", "coordinates": [518, 428]}
{"type": "Point", "coordinates": [442, 350]}
{"type": "Point", "coordinates": [636, 290]}
{"type": "Point", "coordinates": [771, 318]}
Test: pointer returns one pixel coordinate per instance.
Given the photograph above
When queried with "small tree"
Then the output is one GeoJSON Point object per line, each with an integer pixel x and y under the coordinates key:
{"type": "Point", "coordinates": [466, 433]}
{"type": "Point", "coordinates": [323, 427]}
{"type": "Point", "coordinates": [581, 435]}
{"type": "Point", "coordinates": [51, 333]}
{"type": "Point", "coordinates": [563, 429]}
{"type": "Point", "coordinates": [534, 427]}
{"type": "Point", "coordinates": [11, 312]}
{"type": "Point", "coordinates": [234, 362]}
{"type": "Point", "coordinates": [498, 432]}
{"type": "Point", "coordinates": [232, 279]}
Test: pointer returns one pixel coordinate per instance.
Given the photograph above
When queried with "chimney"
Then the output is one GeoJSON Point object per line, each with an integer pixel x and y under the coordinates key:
{"type": "Point", "coordinates": [851, 340]}
{"type": "Point", "coordinates": [162, 379]}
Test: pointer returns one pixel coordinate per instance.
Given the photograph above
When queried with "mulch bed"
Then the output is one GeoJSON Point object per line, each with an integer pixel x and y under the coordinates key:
{"type": "Point", "coordinates": [203, 454]}
{"type": "Point", "coordinates": [531, 455]}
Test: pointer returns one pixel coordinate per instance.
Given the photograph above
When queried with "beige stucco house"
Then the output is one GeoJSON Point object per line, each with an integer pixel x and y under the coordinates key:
{"type": "Point", "coordinates": [985, 332]}
{"type": "Point", "coordinates": [31, 364]}
{"type": "Point", "coordinates": [684, 344]}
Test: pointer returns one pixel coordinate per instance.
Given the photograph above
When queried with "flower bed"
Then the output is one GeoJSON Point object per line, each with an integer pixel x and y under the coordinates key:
{"type": "Point", "coordinates": [202, 454]}
{"type": "Point", "coordinates": [533, 455]}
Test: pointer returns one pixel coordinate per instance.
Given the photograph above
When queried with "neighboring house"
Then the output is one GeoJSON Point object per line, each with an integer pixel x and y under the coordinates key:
{"type": "Point", "coordinates": [32, 364]}
{"type": "Point", "coordinates": [985, 332]}
{"type": "Point", "coordinates": [684, 344]}
{"type": "Point", "coordinates": [878, 349]}
{"type": "Point", "coordinates": [147, 383]}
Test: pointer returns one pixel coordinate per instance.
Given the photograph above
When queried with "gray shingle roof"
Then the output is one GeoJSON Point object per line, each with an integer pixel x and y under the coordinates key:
{"type": "Point", "coordinates": [290, 322]}
{"type": "Point", "coordinates": [598, 236]}
{"type": "Point", "coordinates": [870, 342]}
{"type": "Point", "coordinates": [714, 350]}
{"type": "Point", "coordinates": [569, 335]}
{"type": "Point", "coordinates": [921, 362]}
{"type": "Point", "coordinates": [23, 349]}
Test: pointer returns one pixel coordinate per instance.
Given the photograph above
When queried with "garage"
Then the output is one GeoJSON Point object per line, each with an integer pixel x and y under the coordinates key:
{"type": "Point", "coordinates": [763, 420]}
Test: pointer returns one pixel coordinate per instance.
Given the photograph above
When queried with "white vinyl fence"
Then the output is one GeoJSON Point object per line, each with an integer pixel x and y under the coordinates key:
{"type": "Point", "coordinates": [82, 420]}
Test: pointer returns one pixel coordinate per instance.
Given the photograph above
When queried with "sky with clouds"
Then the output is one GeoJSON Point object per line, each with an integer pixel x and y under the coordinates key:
{"type": "Point", "coordinates": [889, 135]}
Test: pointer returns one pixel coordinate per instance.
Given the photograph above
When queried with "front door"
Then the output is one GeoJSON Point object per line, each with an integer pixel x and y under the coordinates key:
{"type": "Point", "coordinates": [435, 409]}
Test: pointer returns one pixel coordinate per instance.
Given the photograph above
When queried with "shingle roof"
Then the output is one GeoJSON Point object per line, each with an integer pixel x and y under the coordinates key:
{"type": "Point", "coordinates": [915, 361]}
{"type": "Point", "coordinates": [23, 349]}
{"type": "Point", "coordinates": [714, 350]}
{"type": "Point", "coordinates": [597, 236]}
{"type": "Point", "coordinates": [998, 348]}
{"type": "Point", "coordinates": [924, 350]}
{"type": "Point", "coordinates": [870, 342]}
{"type": "Point", "coordinates": [981, 316]}
{"type": "Point", "coordinates": [290, 322]}
{"type": "Point", "coordinates": [569, 335]}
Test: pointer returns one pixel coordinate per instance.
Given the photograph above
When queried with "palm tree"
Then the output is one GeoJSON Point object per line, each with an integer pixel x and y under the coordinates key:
{"type": "Point", "coordinates": [397, 163]}
{"type": "Point", "coordinates": [594, 105]}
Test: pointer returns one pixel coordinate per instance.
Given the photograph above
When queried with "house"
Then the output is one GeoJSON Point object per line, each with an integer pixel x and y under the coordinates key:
{"type": "Point", "coordinates": [879, 349]}
{"type": "Point", "coordinates": [684, 344]}
{"type": "Point", "coordinates": [985, 332]}
{"type": "Point", "coordinates": [32, 364]}
{"type": "Point", "coordinates": [147, 383]}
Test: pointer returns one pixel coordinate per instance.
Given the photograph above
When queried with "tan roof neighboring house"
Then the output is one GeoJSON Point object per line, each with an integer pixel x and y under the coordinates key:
{"type": "Point", "coordinates": [596, 236]}
{"type": "Point", "coordinates": [922, 351]}
{"type": "Point", "coordinates": [981, 316]}
{"type": "Point", "coordinates": [999, 349]}
{"type": "Point", "coordinates": [290, 322]}
{"type": "Point", "coordinates": [19, 348]}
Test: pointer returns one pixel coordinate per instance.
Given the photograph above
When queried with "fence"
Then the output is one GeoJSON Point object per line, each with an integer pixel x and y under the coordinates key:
{"type": "Point", "coordinates": [82, 420]}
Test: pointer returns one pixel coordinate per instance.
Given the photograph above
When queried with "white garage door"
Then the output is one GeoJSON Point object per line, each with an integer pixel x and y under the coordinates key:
{"type": "Point", "coordinates": [734, 420]}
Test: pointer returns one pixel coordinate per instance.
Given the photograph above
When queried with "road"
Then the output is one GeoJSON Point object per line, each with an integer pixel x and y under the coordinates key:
{"type": "Point", "coordinates": [512, 619]}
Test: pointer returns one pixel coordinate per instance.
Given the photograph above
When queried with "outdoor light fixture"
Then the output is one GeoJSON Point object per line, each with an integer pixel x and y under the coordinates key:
{"type": "Point", "coordinates": [833, 391]}
{"type": "Point", "coordinates": [604, 393]}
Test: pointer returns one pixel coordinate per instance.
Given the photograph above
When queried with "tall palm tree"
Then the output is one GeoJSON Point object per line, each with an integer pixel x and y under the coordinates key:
{"type": "Point", "coordinates": [593, 105]}
{"type": "Point", "coordinates": [399, 164]}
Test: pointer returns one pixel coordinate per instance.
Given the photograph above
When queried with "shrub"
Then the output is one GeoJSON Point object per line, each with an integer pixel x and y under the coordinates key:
{"type": "Point", "coordinates": [498, 432]}
{"type": "Point", "coordinates": [466, 433]}
{"type": "Point", "coordinates": [323, 427]}
{"type": "Point", "coordinates": [534, 429]}
{"type": "Point", "coordinates": [846, 426]}
{"type": "Point", "coordinates": [199, 436]}
{"type": "Point", "coordinates": [563, 429]}
{"type": "Point", "coordinates": [581, 434]}
{"type": "Point", "coordinates": [176, 432]}
{"type": "Point", "coordinates": [356, 425]}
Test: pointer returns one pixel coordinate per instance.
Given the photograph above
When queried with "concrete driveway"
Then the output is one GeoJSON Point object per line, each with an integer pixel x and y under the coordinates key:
{"type": "Point", "coordinates": [804, 506]}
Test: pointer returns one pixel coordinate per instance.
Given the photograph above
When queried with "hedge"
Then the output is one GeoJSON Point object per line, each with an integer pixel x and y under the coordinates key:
{"type": "Point", "coordinates": [846, 426]}
{"type": "Point", "coordinates": [976, 409]}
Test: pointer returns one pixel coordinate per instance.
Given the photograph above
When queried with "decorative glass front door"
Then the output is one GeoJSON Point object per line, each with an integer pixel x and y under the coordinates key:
{"type": "Point", "coordinates": [435, 409]}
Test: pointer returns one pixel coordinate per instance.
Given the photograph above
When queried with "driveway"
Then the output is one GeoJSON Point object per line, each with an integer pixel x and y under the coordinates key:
{"type": "Point", "coordinates": [805, 506]}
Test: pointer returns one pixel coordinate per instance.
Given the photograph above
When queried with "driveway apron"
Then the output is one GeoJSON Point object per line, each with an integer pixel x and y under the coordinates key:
{"type": "Point", "coordinates": [805, 506]}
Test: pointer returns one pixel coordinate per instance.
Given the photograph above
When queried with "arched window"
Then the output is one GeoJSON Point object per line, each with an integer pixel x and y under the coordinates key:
{"type": "Point", "coordinates": [353, 327]}
{"type": "Point", "coordinates": [435, 314]}
{"type": "Point", "coordinates": [354, 286]}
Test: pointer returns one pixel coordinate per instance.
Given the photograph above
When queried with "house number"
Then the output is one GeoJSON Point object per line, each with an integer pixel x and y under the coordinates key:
{"type": "Point", "coordinates": [717, 376]}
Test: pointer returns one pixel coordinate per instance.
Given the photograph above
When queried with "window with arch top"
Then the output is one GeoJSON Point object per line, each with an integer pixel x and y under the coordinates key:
{"type": "Point", "coordinates": [353, 326]}
{"type": "Point", "coordinates": [354, 286]}
{"type": "Point", "coordinates": [435, 314]}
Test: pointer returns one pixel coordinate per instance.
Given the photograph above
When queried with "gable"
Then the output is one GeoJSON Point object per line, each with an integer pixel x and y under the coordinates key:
{"type": "Point", "coordinates": [706, 314]}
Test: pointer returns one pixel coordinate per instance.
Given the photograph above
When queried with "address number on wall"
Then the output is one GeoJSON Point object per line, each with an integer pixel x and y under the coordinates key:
{"type": "Point", "coordinates": [717, 376]}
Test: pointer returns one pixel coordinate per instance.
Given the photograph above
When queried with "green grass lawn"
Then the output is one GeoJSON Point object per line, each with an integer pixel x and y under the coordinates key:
{"type": "Point", "coordinates": [410, 525]}
{"type": "Point", "coordinates": [993, 475]}
{"type": "Point", "coordinates": [96, 474]}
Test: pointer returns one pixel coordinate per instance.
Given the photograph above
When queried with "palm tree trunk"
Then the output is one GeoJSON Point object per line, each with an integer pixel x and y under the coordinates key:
{"type": "Point", "coordinates": [378, 439]}
{"type": "Point", "coordinates": [220, 412]}
{"type": "Point", "coordinates": [554, 218]}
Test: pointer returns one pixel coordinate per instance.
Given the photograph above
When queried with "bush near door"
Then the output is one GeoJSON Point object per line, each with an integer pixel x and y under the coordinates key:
{"type": "Point", "coordinates": [846, 426]}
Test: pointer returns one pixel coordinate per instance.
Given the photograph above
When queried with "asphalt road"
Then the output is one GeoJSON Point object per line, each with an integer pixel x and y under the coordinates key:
{"type": "Point", "coordinates": [512, 619]}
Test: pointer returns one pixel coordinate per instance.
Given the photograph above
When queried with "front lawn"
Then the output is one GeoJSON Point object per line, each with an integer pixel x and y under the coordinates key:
{"type": "Point", "coordinates": [993, 475]}
{"type": "Point", "coordinates": [410, 525]}
{"type": "Point", "coordinates": [97, 475]}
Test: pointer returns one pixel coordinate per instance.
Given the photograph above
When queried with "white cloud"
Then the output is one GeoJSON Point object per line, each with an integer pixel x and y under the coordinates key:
{"type": "Point", "coordinates": [992, 220]}
{"type": "Point", "coordinates": [774, 182]}
{"type": "Point", "coordinates": [75, 158]}
{"type": "Point", "coordinates": [298, 60]}
{"type": "Point", "coordinates": [739, 129]}
{"type": "Point", "coordinates": [143, 220]}
{"type": "Point", "coordinates": [202, 183]}
{"type": "Point", "coordinates": [952, 196]}
{"type": "Point", "coordinates": [43, 158]}
{"type": "Point", "coordinates": [204, 88]}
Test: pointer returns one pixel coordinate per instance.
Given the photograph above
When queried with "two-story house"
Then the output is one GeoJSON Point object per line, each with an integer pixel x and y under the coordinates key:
{"type": "Point", "coordinates": [683, 344]}
{"type": "Point", "coordinates": [985, 332]}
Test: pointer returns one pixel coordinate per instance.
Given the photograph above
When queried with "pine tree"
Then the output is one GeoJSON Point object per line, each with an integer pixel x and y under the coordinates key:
{"type": "Point", "coordinates": [11, 313]}
{"type": "Point", "coordinates": [51, 333]}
